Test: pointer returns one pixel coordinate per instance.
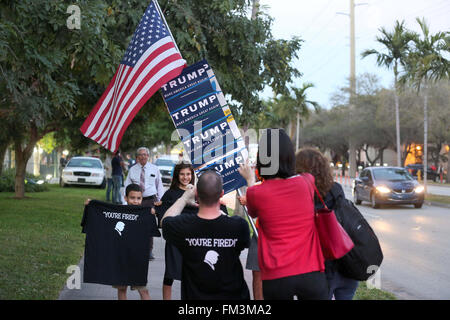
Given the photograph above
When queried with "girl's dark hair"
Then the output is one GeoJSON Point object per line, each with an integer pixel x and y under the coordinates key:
{"type": "Point", "coordinates": [309, 160]}
{"type": "Point", "coordinates": [280, 164]}
{"type": "Point", "coordinates": [176, 174]}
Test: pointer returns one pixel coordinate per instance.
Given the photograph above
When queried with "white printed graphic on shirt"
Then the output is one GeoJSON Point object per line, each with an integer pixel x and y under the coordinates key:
{"type": "Point", "coordinates": [119, 227]}
{"type": "Point", "coordinates": [211, 258]}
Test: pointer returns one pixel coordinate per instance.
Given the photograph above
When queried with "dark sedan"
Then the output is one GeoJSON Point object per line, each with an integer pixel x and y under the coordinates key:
{"type": "Point", "coordinates": [387, 185]}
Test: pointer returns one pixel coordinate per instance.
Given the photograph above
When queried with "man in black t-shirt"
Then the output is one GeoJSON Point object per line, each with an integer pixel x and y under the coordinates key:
{"type": "Point", "coordinates": [117, 165]}
{"type": "Point", "coordinates": [210, 243]}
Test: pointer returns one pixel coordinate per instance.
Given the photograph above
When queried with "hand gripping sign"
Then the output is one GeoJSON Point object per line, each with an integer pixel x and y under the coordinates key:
{"type": "Point", "coordinates": [204, 123]}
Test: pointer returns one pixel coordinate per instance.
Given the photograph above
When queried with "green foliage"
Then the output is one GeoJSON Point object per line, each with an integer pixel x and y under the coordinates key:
{"type": "Point", "coordinates": [53, 76]}
{"type": "Point", "coordinates": [396, 45]}
{"type": "Point", "coordinates": [426, 62]}
{"type": "Point", "coordinates": [7, 180]}
{"type": "Point", "coordinates": [242, 52]}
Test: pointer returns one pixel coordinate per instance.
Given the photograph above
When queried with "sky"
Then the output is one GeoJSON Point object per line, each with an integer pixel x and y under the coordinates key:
{"type": "Point", "coordinates": [324, 58]}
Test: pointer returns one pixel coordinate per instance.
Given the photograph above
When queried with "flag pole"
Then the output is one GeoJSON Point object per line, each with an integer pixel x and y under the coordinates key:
{"type": "Point", "coordinates": [246, 213]}
{"type": "Point", "coordinates": [167, 26]}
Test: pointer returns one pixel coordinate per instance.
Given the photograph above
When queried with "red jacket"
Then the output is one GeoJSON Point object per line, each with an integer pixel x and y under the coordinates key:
{"type": "Point", "coordinates": [288, 242]}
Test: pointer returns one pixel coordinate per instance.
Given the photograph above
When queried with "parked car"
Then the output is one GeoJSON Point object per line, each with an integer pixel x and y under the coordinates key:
{"type": "Point", "coordinates": [83, 171]}
{"type": "Point", "coordinates": [387, 185]}
{"type": "Point", "coordinates": [414, 168]}
{"type": "Point", "coordinates": [166, 165]}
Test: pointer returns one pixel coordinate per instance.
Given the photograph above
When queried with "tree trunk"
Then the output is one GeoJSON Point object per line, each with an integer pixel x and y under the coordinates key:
{"type": "Point", "coordinates": [3, 149]}
{"type": "Point", "coordinates": [22, 155]}
{"type": "Point", "coordinates": [397, 117]}
{"type": "Point", "coordinates": [381, 155]}
{"type": "Point", "coordinates": [448, 167]}
{"type": "Point", "coordinates": [425, 136]}
{"type": "Point", "coordinates": [297, 133]}
{"type": "Point", "coordinates": [255, 8]}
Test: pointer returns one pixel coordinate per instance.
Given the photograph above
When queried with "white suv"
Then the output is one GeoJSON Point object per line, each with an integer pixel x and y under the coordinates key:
{"type": "Point", "coordinates": [83, 171]}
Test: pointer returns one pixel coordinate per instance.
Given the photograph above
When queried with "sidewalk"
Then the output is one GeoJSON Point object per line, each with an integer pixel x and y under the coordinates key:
{"type": "Point", "coordinates": [91, 291]}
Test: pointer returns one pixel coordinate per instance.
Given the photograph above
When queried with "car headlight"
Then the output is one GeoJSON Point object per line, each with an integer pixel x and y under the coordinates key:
{"type": "Point", "coordinates": [95, 175]}
{"type": "Point", "coordinates": [419, 189]}
{"type": "Point", "coordinates": [68, 173]}
{"type": "Point", "coordinates": [382, 189]}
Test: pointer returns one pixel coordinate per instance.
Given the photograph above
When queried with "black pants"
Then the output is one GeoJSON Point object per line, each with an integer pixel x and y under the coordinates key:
{"type": "Point", "coordinates": [149, 203]}
{"type": "Point", "coordinates": [307, 286]}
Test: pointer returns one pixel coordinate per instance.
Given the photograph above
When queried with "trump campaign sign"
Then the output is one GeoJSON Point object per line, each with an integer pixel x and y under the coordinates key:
{"type": "Point", "coordinates": [204, 123]}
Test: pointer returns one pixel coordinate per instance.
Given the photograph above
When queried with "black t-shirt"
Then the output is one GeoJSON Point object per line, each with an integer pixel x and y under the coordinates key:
{"type": "Point", "coordinates": [116, 167]}
{"type": "Point", "coordinates": [210, 249]}
{"type": "Point", "coordinates": [117, 243]}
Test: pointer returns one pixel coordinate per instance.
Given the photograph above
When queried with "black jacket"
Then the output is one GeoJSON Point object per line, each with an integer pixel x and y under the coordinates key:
{"type": "Point", "coordinates": [330, 200]}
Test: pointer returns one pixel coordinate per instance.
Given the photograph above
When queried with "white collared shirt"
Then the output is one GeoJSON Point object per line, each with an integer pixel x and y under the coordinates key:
{"type": "Point", "coordinates": [153, 182]}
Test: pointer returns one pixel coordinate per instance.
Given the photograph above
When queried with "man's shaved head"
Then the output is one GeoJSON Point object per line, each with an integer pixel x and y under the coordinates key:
{"type": "Point", "coordinates": [209, 188]}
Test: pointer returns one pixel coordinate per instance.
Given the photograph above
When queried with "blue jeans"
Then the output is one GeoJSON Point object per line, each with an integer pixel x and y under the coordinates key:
{"type": "Point", "coordinates": [117, 183]}
{"type": "Point", "coordinates": [109, 186]}
{"type": "Point", "coordinates": [341, 287]}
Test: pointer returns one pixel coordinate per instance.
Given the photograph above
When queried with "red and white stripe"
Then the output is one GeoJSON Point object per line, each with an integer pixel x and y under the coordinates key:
{"type": "Point", "coordinates": [128, 91]}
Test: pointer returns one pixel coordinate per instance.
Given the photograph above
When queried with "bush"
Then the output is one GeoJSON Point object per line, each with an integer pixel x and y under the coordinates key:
{"type": "Point", "coordinates": [7, 181]}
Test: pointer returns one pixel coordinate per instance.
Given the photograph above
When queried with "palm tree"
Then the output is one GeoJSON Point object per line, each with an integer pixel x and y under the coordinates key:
{"type": "Point", "coordinates": [397, 44]}
{"type": "Point", "coordinates": [280, 110]}
{"type": "Point", "coordinates": [426, 64]}
{"type": "Point", "coordinates": [302, 109]}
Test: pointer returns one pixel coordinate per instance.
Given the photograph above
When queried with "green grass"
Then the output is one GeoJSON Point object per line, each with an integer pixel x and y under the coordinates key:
{"type": "Point", "coordinates": [437, 198]}
{"type": "Point", "coordinates": [40, 236]}
{"type": "Point", "coordinates": [364, 293]}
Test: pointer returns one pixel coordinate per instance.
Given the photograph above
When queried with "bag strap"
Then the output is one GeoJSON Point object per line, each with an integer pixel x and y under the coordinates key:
{"type": "Point", "coordinates": [317, 192]}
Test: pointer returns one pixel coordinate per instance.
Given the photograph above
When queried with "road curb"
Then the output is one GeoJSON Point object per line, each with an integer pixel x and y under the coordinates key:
{"type": "Point", "coordinates": [437, 204]}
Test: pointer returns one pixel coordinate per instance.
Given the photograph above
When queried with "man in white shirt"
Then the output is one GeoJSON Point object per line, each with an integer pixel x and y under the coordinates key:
{"type": "Point", "coordinates": [147, 176]}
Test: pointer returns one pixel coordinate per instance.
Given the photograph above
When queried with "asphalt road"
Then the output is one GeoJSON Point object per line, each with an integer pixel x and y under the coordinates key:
{"type": "Point", "coordinates": [416, 248]}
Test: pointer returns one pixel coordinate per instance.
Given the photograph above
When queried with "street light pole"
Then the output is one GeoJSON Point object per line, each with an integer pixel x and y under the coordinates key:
{"type": "Point", "coordinates": [352, 147]}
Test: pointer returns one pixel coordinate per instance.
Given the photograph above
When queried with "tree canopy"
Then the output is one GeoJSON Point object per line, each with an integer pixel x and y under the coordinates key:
{"type": "Point", "coordinates": [52, 76]}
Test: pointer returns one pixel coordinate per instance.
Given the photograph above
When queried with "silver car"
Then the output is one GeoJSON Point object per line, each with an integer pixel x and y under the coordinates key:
{"type": "Point", "coordinates": [166, 164]}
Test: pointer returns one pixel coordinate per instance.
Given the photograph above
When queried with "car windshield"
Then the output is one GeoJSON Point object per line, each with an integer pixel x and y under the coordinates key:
{"type": "Point", "coordinates": [165, 162]}
{"type": "Point", "coordinates": [392, 174]}
{"type": "Point", "coordinates": [85, 163]}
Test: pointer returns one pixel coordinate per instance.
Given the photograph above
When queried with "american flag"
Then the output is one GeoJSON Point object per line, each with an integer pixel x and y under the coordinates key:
{"type": "Point", "coordinates": [151, 60]}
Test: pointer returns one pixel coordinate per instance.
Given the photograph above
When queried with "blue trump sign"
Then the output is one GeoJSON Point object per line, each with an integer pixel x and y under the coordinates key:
{"type": "Point", "coordinates": [205, 124]}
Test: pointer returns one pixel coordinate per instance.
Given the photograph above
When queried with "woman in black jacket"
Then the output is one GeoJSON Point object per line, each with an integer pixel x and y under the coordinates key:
{"type": "Point", "coordinates": [309, 160]}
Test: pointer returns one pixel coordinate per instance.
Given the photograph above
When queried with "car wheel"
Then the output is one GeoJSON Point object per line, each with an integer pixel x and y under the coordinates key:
{"type": "Point", "coordinates": [373, 201]}
{"type": "Point", "coordinates": [355, 197]}
{"type": "Point", "coordinates": [418, 205]}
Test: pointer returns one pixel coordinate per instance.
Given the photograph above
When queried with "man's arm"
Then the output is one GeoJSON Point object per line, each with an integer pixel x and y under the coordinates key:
{"type": "Point", "coordinates": [159, 185]}
{"type": "Point", "coordinates": [188, 197]}
{"type": "Point", "coordinates": [128, 179]}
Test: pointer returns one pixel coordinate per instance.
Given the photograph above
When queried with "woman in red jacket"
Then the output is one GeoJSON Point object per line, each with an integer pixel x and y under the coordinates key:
{"type": "Point", "coordinates": [289, 253]}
